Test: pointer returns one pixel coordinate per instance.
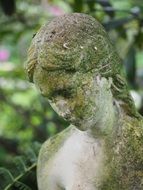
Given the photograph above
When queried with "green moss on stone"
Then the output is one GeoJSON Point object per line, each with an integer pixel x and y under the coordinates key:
{"type": "Point", "coordinates": [64, 57]}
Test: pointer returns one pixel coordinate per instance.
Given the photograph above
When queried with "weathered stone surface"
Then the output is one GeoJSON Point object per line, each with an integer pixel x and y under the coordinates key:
{"type": "Point", "coordinates": [73, 63]}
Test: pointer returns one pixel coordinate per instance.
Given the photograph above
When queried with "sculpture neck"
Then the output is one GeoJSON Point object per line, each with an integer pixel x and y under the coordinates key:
{"type": "Point", "coordinates": [107, 120]}
{"type": "Point", "coordinates": [109, 111]}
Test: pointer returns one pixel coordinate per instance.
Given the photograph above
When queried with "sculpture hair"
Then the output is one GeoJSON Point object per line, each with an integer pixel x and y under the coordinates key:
{"type": "Point", "coordinates": [78, 42]}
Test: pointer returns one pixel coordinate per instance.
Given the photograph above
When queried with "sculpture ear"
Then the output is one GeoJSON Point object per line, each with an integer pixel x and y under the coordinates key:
{"type": "Point", "coordinates": [107, 83]}
{"type": "Point", "coordinates": [104, 82]}
{"type": "Point", "coordinates": [110, 81]}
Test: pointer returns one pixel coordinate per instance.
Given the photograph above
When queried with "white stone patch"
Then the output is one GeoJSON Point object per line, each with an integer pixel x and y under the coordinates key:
{"type": "Point", "coordinates": [65, 45]}
{"type": "Point", "coordinates": [137, 98]}
{"type": "Point", "coordinates": [61, 107]}
{"type": "Point", "coordinates": [78, 164]}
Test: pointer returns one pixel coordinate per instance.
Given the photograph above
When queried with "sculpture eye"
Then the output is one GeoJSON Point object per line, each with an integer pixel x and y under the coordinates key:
{"type": "Point", "coordinates": [53, 68]}
{"type": "Point", "coordinates": [70, 70]}
{"type": "Point", "coordinates": [65, 92]}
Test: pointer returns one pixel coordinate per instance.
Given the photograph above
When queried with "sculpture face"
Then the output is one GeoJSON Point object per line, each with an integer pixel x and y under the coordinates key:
{"type": "Point", "coordinates": [74, 95]}
{"type": "Point", "coordinates": [66, 58]}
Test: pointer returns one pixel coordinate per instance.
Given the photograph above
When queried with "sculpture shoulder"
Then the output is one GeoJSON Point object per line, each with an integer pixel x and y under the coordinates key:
{"type": "Point", "coordinates": [53, 144]}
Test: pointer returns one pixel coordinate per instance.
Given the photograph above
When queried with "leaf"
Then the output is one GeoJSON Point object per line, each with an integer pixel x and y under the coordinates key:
{"type": "Point", "coordinates": [23, 165]}
{"type": "Point", "coordinates": [21, 186]}
{"type": "Point", "coordinates": [130, 66]}
{"type": "Point", "coordinates": [8, 6]}
{"type": "Point", "coordinates": [6, 178]}
{"type": "Point", "coordinates": [36, 147]}
{"type": "Point", "coordinates": [139, 38]}
{"type": "Point", "coordinates": [20, 164]}
{"type": "Point", "coordinates": [117, 23]}
{"type": "Point", "coordinates": [78, 5]}
{"type": "Point", "coordinates": [31, 156]}
{"type": "Point", "coordinates": [91, 5]}
{"type": "Point", "coordinates": [107, 7]}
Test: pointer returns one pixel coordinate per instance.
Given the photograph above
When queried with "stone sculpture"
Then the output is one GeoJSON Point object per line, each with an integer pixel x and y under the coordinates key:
{"type": "Point", "coordinates": [73, 63]}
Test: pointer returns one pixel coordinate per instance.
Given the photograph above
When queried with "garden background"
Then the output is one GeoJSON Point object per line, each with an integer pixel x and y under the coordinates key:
{"type": "Point", "coordinates": [26, 118]}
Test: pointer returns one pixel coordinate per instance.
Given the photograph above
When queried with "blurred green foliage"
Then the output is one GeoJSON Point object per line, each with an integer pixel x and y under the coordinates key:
{"type": "Point", "coordinates": [26, 117]}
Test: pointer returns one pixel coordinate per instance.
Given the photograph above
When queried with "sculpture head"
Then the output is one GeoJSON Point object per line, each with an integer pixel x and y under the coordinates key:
{"type": "Point", "coordinates": [73, 63]}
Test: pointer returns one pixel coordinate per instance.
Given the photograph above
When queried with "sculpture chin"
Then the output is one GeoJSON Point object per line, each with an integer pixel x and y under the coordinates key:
{"type": "Point", "coordinates": [61, 107]}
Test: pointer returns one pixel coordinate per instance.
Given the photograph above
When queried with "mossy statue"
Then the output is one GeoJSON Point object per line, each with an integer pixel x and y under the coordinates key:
{"type": "Point", "coordinates": [73, 63]}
